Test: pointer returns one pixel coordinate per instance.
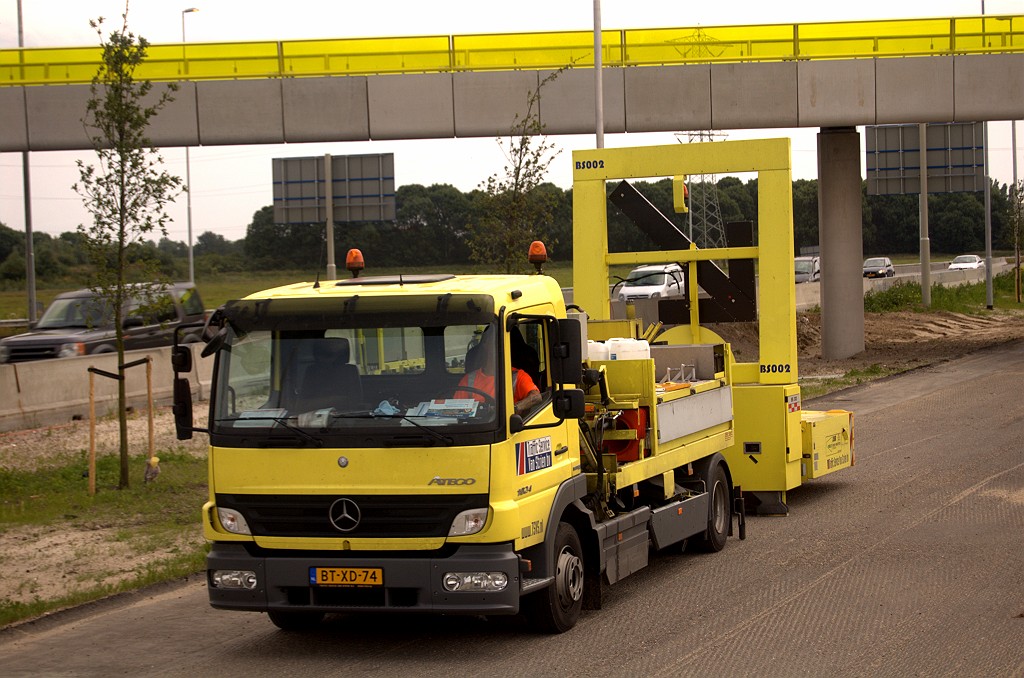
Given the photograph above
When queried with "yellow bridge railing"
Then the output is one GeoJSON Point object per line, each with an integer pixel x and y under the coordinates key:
{"type": "Point", "coordinates": [520, 51]}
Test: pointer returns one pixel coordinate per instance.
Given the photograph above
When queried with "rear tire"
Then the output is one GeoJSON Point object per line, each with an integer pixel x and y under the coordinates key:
{"type": "Point", "coordinates": [720, 513]}
{"type": "Point", "coordinates": [556, 609]}
{"type": "Point", "coordinates": [295, 621]}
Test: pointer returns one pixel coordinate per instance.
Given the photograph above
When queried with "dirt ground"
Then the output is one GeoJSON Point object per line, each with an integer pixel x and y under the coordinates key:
{"type": "Point", "coordinates": [34, 561]}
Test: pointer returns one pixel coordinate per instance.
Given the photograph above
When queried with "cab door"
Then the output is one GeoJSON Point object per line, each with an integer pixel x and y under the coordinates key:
{"type": "Point", "coordinates": [538, 459]}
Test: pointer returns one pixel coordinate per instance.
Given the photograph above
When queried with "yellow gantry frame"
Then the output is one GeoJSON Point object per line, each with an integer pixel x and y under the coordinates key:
{"type": "Point", "coordinates": [770, 159]}
{"type": "Point", "coordinates": [516, 51]}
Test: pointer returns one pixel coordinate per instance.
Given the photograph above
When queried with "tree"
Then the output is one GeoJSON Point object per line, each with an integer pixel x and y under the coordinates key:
{"type": "Point", "coordinates": [209, 242]}
{"type": "Point", "coordinates": [126, 192]}
{"type": "Point", "coordinates": [512, 211]}
{"type": "Point", "coordinates": [805, 213]}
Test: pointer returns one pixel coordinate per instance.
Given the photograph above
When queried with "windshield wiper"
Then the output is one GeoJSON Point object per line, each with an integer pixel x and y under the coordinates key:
{"type": "Point", "coordinates": [447, 440]}
{"type": "Point", "coordinates": [283, 422]}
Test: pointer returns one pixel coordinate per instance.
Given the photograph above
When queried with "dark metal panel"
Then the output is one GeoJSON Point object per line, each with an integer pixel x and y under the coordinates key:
{"type": "Point", "coordinates": [954, 158]}
{"type": "Point", "coordinates": [362, 189]}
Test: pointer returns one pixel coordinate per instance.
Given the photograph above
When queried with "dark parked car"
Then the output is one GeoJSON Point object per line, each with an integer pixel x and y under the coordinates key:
{"type": "Point", "coordinates": [878, 267]}
{"type": "Point", "coordinates": [81, 323]}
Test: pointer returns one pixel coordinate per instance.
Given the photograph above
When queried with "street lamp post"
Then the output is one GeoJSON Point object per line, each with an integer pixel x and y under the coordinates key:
{"type": "Point", "coordinates": [188, 164]}
{"type": "Point", "coordinates": [30, 257]}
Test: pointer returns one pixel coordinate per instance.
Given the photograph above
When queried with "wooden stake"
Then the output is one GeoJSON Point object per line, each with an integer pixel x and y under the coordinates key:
{"type": "Point", "coordinates": [92, 435]}
{"type": "Point", "coordinates": [149, 395]}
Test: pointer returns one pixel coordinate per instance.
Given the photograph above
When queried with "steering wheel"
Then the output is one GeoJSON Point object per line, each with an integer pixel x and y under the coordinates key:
{"type": "Point", "coordinates": [489, 400]}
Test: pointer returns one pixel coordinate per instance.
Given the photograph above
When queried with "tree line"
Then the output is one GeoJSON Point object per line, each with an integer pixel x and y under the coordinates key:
{"type": "Point", "coordinates": [438, 225]}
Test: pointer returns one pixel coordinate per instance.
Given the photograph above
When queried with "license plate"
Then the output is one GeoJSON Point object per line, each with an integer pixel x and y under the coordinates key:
{"type": "Point", "coordinates": [346, 576]}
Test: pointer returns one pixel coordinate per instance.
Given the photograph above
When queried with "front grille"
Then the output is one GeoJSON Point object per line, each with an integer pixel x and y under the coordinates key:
{"type": "Point", "coordinates": [380, 516]}
{"type": "Point", "coordinates": [26, 353]}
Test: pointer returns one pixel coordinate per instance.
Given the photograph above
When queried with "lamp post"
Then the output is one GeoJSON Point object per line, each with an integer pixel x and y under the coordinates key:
{"type": "Point", "coordinates": [30, 258]}
{"type": "Point", "coordinates": [188, 172]}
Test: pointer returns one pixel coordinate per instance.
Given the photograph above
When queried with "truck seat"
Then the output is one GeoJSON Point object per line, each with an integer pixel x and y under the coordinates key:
{"type": "Point", "coordinates": [329, 379]}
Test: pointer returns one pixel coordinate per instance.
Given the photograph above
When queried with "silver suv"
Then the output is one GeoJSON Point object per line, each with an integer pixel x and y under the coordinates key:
{"type": "Point", "coordinates": [657, 281]}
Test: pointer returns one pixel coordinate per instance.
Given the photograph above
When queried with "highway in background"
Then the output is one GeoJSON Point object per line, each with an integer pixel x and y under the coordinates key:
{"type": "Point", "coordinates": [909, 563]}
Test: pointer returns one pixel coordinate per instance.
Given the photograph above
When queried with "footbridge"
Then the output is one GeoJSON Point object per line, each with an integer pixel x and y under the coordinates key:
{"type": "Point", "coordinates": [832, 76]}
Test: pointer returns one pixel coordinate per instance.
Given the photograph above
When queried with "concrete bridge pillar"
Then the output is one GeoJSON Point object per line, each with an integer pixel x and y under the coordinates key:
{"type": "Point", "coordinates": [841, 241]}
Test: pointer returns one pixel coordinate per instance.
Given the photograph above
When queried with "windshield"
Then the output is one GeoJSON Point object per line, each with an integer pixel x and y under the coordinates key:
{"type": "Point", "coordinates": [75, 312]}
{"type": "Point", "coordinates": [325, 367]}
{"type": "Point", "coordinates": [645, 279]}
{"type": "Point", "coordinates": [874, 263]}
{"type": "Point", "coordinates": [803, 266]}
{"type": "Point", "coordinates": [964, 259]}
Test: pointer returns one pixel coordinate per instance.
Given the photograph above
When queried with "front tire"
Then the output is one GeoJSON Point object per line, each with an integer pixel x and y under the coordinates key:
{"type": "Point", "coordinates": [557, 608]}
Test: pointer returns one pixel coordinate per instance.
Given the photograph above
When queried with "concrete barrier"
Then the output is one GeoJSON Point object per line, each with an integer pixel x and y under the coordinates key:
{"type": "Point", "coordinates": [47, 392]}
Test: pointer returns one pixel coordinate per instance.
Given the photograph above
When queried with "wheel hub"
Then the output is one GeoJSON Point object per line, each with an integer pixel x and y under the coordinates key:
{"type": "Point", "coordinates": [568, 578]}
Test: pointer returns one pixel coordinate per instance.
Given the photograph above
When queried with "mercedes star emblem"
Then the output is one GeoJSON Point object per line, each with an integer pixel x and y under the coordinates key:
{"type": "Point", "coordinates": [344, 515]}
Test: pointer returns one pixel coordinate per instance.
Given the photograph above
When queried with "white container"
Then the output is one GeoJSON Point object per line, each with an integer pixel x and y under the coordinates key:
{"type": "Point", "coordinates": [628, 349]}
{"type": "Point", "coordinates": [597, 350]}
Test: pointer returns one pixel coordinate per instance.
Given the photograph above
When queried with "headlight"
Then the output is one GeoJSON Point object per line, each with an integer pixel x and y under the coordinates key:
{"type": "Point", "coordinates": [233, 579]}
{"type": "Point", "coordinates": [5, 354]}
{"type": "Point", "coordinates": [71, 350]}
{"type": "Point", "coordinates": [622, 297]}
{"type": "Point", "coordinates": [233, 521]}
{"type": "Point", "coordinates": [468, 522]}
{"type": "Point", "coordinates": [655, 295]}
{"type": "Point", "coordinates": [475, 581]}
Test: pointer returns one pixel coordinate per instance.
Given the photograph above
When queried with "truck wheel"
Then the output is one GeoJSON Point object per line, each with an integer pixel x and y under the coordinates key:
{"type": "Point", "coordinates": [720, 515]}
{"type": "Point", "coordinates": [295, 621]}
{"type": "Point", "coordinates": [556, 609]}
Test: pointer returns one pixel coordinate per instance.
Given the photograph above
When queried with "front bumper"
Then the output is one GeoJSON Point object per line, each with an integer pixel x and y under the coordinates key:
{"type": "Point", "coordinates": [411, 584]}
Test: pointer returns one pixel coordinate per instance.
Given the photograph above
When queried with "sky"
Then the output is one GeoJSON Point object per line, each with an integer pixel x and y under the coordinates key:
{"type": "Point", "coordinates": [230, 183]}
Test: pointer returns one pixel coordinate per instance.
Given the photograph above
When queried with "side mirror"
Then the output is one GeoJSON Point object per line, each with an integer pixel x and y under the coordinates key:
{"type": "Point", "coordinates": [181, 359]}
{"type": "Point", "coordinates": [567, 352]}
{"type": "Point", "coordinates": [569, 404]}
{"type": "Point", "coordinates": [215, 343]}
{"type": "Point", "coordinates": [182, 408]}
{"type": "Point", "coordinates": [515, 423]}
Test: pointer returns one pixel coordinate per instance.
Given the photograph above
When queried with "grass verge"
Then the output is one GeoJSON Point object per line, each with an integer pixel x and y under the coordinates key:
{"type": "Point", "coordinates": [143, 517]}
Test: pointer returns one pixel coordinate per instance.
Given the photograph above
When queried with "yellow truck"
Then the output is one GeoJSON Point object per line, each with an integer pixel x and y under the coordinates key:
{"type": "Point", "coordinates": [371, 449]}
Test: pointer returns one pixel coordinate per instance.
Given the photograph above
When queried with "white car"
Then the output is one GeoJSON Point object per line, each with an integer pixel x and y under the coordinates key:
{"type": "Point", "coordinates": [966, 262]}
{"type": "Point", "coordinates": [657, 281]}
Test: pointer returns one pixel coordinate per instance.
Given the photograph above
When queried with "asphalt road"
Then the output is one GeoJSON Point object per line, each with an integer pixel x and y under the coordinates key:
{"type": "Point", "coordinates": [910, 563]}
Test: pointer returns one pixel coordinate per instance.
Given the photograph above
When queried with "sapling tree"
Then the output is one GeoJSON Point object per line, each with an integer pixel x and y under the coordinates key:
{"type": "Point", "coordinates": [125, 190]}
{"type": "Point", "coordinates": [513, 212]}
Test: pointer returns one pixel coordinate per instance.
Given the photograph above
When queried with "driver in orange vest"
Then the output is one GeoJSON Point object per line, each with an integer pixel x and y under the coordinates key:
{"type": "Point", "coordinates": [524, 390]}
